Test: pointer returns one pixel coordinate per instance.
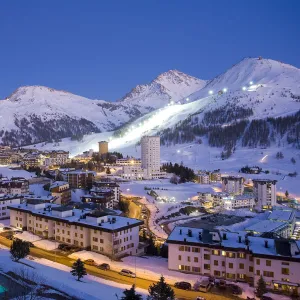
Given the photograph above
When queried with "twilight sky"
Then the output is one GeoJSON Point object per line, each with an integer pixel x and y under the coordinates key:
{"type": "Point", "coordinates": [102, 49]}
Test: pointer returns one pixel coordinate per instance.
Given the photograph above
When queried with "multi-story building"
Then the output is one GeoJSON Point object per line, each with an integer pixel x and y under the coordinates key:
{"type": "Point", "coordinates": [238, 201]}
{"type": "Point", "coordinates": [56, 158]}
{"type": "Point", "coordinates": [80, 179]}
{"type": "Point", "coordinates": [209, 200]}
{"type": "Point", "coordinates": [33, 160]}
{"type": "Point", "coordinates": [61, 191]}
{"type": "Point", "coordinates": [104, 197]}
{"type": "Point", "coordinates": [203, 178]}
{"type": "Point", "coordinates": [6, 200]}
{"type": "Point", "coordinates": [236, 256]}
{"type": "Point", "coordinates": [103, 147]}
{"type": "Point", "coordinates": [265, 193]}
{"type": "Point", "coordinates": [107, 234]}
{"type": "Point", "coordinates": [14, 186]}
{"type": "Point", "coordinates": [233, 185]}
{"type": "Point", "coordinates": [129, 161]}
{"type": "Point", "coordinates": [5, 159]}
{"type": "Point", "coordinates": [215, 176]}
{"type": "Point", "coordinates": [113, 186]}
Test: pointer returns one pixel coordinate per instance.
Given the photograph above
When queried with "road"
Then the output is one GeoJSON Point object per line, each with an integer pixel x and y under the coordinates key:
{"type": "Point", "coordinates": [112, 275]}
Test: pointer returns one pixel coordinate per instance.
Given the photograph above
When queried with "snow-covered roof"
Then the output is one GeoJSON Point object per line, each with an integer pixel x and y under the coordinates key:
{"type": "Point", "coordinates": [266, 226]}
{"type": "Point", "coordinates": [58, 183]}
{"type": "Point", "coordinates": [240, 241]}
{"type": "Point", "coordinates": [282, 215]}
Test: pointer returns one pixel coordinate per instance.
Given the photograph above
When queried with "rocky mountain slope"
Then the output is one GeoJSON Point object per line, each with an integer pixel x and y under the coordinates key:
{"type": "Point", "coordinates": [33, 114]}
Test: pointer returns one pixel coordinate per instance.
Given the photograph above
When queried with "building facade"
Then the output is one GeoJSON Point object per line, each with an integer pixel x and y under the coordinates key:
{"type": "Point", "coordinates": [14, 186]}
{"type": "Point", "coordinates": [113, 186]}
{"type": "Point", "coordinates": [233, 185]}
{"type": "Point", "coordinates": [80, 179]}
{"type": "Point", "coordinates": [110, 235]}
{"type": "Point", "coordinates": [203, 178]}
{"type": "Point", "coordinates": [238, 201]}
{"type": "Point", "coordinates": [236, 257]}
{"type": "Point", "coordinates": [5, 201]}
{"type": "Point", "coordinates": [103, 147]}
{"type": "Point", "coordinates": [265, 193]}
{"type": "Point", "coordinates": [61, 191]}
{"type": "Point", "coordinates": [130, 161]}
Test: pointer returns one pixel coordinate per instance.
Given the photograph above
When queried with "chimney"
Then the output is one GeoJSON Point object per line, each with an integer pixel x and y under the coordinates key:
{"type": "Point", "coordinates": [190, 234]}
{"type": "Point", "coordinates": [184, 239]}
{"type": "Point", "coordinates": [180, 231]}
{"type": "Point", "coordinates": [240, 239]}
{"type": "Point", "coordinates": [200, 236]}
{"type": "Point", "coordinates": [224, 236]}
{"type": "Point", "coordinates": [266, 244]}
{"type": "Point", "coordinates": [246, 241]}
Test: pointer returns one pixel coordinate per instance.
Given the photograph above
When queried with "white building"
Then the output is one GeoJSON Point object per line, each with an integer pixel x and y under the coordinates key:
{"type": "Point", "coordinates": [55, 158]}
{"type": "Point", "coordinates": [265, 193]}
{"type": "Point", "coordinates": [61, 191]}
{"type": "Point", "coordinates": [233, 185]}
{"type": "Point", "coordinates": [13, 186]}
{"type": "Point", "coordinates": [238, 201]}
{"type": "Point", "coordinates": [5, 201]}
{"type": "Point", "coordinates": [150, 162]}
{"type": "Point", "coordinates": [107, 234]}
{"type": "Point", "coordinates": [209, 200]}
{"type": "Point", "coordinates": [203, 178]}
{"type": "Point", "coordinates": [236, 256]}
{"type": "Point", "coordinates": [113, 186]}
{"type": "Point", "coordinates": [129, 161]}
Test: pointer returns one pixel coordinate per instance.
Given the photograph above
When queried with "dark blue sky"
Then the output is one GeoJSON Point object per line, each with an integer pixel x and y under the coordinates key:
{"type": "Point", "coordinates": [102, 49]}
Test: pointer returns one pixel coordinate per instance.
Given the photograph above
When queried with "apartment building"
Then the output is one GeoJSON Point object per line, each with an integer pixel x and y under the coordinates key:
{"type": "Point", "coordinates": [215, 176]}
{"type": "Point", "coordinates": [14, 186]}
{"type": "Point", "coordinates": [236, 256]}
{"type": "Point", "coordinates": [233, 185]}
{"type": "Point", "coordinates": [113, 186]}
{"type": "Point", "coordinates": [5, 201]}
{"type": "Point", "coordinates": [203, 178]}
{"type": "Point", "coordinates": [238, 201]}
{"type": "Point", "coordinates": [129, 161]}
{"type": "Point", "coordinates": [61, 191]}
{"type": "Point", "coordinates": [33, 160]}
{"type": "Point", "coordinates": [103, 197]}
{"type": "Point", "coordinates": [5, 159]}
{"type": "Point", "coordinates": [55, 158]}
{"type": "Point", "coordinates": [107, 234]}
{"type": "Point", "coordinates": [265, 193]}
{"type": "Point", "coordinates": [80, 179]}
{"type": "Point", "coordinates": [209, 200]}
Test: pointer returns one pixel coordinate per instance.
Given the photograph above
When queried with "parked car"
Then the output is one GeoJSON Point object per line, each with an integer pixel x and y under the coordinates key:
{"type": "Point", "coordinates": [200, 298]}
{"type": "Point", "coordinates": [104, 266]}
{"type": "Point", "coordinates": [266, 298]}
{"type": "Point", "coordinates": [205, 285]}
{"type": "Point", "coordinates": [221, 284]}
{"type": "Point", "coordinates": [235, 289]}
{"type": "Point", "coordinates": [128, 273]}
{"type": "Point", "coordinates": [183, 285]}
{"type": "Point", "coordinates": [90, 262]}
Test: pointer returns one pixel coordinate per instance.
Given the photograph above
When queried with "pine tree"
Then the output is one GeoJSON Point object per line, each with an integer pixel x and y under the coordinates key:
{"type": "Point", "coordinates": [161, 291]}
{"type": "Point", "coordinates": [293, 160]}
{"type": "Point", "coordinates": [78, 269]}
{"type": "Point", "coordinates": [19, 249]}
{"type": "Point", "coordinates": [261, 287]}
{"type": "Point", "coordinates": [286, 194]}
{"type": "Point", "coordinates": [131, 294]}
{"type": "Point", "coordinates": [108, 171]}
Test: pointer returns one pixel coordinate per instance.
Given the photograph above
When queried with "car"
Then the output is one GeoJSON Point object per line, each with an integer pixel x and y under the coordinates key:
{"type": "Point", "coordinates": [221, 284]}
{"type": "Point", "coordinates": [266, 298]}
{"type": "Point", "coordinates": [183, 285]}
{"type": "Point", "coordinates": [128, 273]}
{"type": "Point", "coordinates": [235, 289]}
{"type": "Point", "coordinates": [200, 298]}
{"type": "Point", "coordinates": [104, 266]}
{"type": "Point", "coordinates": [90, 262]}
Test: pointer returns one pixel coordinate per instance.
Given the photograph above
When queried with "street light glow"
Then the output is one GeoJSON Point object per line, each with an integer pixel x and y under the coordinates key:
{"type": "Point", "coordinates": [225, 90]}
{"type": "Point", "coordinates": [187, 99]}
{"type": "Point", "coordinates": [210, 92]}
{"type": "Point", "coordinates": [251, 82]}
{"type": "Point", "coordinates": [244, 88]}
{"type": "Point", "coordinates": [178, 151]}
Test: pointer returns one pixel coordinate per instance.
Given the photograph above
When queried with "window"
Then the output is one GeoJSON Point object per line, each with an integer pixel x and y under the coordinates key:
{"type": "Point", "coordinates": [95, 239]}
{"type": "Point", "coordinates": [285, 271]}
{"type": "Point", "coordinates": [81, 236]}
{"type": "Point", "coordinates": [241, 276]}
{"type": "Point", "coordinates": [230, 254]}
{"type": "Point", "coordinates": [81, 244]}
{"type": "Point", "coordinates": [250, 269]}
{"type": "Point", "coordinates": [230, 265]}
{"type": "Point", "coordinates": [216, 263]}
{"type": "Point", "coordinates": [230, 276]}
{"type": "Point", "coordinates": [216, 252]}
{"type": "Point", "coordinates": [68, 233]}
{"type": "Point", "coordinates": [206, 256]}
{"type": "Point", "coordinates": [206, 266]}
{"type": "Point", "coordinates": [268, 274]}
{"type": "Point", "coordinates": [258, 261]}
{"type": "Point", "coordinates": [268, 263]}
{"type": "Point", "coordinates": [180, 267]}
{"type": "Point", "coordinates": [187, 268]}
{"type": "Point", "coordinates": [241, 255]}
{"type": "Point", "coordinates": [196, 269]}
{"type": "Point", "coordinates": [196, 250]}
{"type": "Point", "coordinates": [188, 258]}
{"type": "Point", "coordinates": [179, 257]}
{"type": "Point", "coordinates": [195, 259]}
{"type": "Point", "coordinates": [187, 249]}
{"type": "Point", "coordinates": [223, 263]}
{"type": "Point", "coordinates": [241, 266]}
{"type": "Point", "coordinates": [258, 272]}
{"type": "Point", "coordinates": [101, 241]}
{"type": "Point", "coordinates": [217, 273]}
{"type": "Point", "coordinates": [75, 234]}
{"type": "Point", "coordinates": [95, 247]}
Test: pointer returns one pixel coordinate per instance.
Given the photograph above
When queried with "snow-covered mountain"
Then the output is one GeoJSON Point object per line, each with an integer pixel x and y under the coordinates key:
{"type": "Point", "coordinates": [33, 114]}
{"type": "Point", "coordinates": [167, 87]}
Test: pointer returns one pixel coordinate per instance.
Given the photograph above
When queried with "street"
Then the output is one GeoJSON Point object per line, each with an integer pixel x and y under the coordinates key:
{"type": "Point", "coordinates": [112, 275]}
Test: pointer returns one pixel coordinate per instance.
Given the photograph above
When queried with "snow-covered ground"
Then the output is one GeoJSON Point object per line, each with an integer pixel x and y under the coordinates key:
{"type": "Point", "coordinates": [58, 276]}
{"type": "Point", "coordinates": [7, 172]}
{"type": "Point", "coordinates": [38, 190]}
{"type": "Point", "coordinates": [37, 241]}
